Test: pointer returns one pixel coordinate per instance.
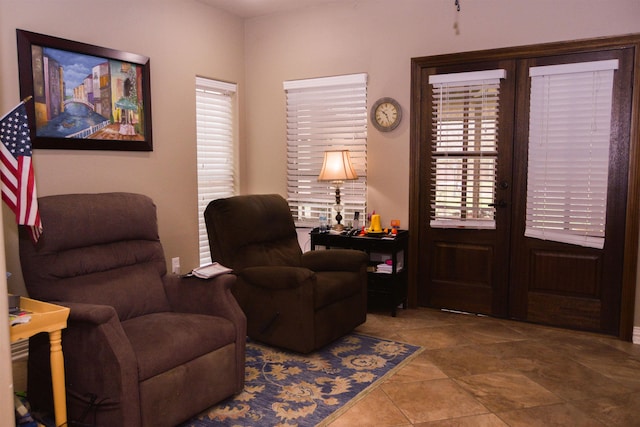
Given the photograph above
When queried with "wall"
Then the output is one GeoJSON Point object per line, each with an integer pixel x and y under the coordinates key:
{"type": "Point", "coordinates": [182, 39]}
{"type": "Point", "coordinates": [380, 38]}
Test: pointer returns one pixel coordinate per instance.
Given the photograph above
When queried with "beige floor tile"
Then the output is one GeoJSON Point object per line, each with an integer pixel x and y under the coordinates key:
{"type": "Point", "coordinates": [432, 400]}
{"type": "Point", "coordinates": [625, 371]}
{"type": "Point", "coordinates": [468, 360]}
{"type": "Point", "coordinates": [374, 410]}
{"type": "Point", "coordinates": [503, 391]}
{"type": "Point", "coordinates": [489, 331]}
{"type": "Point", "coordinates": [525, 355]}
{"type": "Point", "coordinates": [571, 380]}
{"type": "Point", "coordinates": [504, 372]}
{"type": "Point", "coordinates": [560, 415]}
{"type": "Point", "coordinates": [384, 323]}
{"type": "Point", "coordinates": [585, 348]}
{"type": "Point", "coordinates": [621, 410]}
{"type": "Point", "coordinates": [419, 369]}
{"type": "Point", "coordinates": [625, 346]}
{"type": "Point", "coordinates": [436, 337]}
{"type": "Point", "coordinates": [485, 420]}
{"type": "Point", "coordinates": [462, 318]}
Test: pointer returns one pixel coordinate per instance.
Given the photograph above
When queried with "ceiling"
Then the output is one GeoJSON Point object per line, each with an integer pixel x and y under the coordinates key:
{"type": "Point", "coordinates": [253, 8]}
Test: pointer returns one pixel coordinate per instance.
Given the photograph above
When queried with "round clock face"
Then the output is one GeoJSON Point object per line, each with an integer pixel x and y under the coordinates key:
{"type": "Point", "coordinates": [386, 114]}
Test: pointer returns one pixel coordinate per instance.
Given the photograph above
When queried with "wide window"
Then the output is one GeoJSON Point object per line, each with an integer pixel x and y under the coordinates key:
{"type": "Point", "coordinates": [325, 114]}
{"type": "Point", "coordinates": [215, 142]}
{"type": "Point", "coordinates": [464, 148]}
{"type": "Point", "coordinates": [569, 134]}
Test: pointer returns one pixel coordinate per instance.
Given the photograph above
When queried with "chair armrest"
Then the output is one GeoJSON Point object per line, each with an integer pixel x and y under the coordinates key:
{"type": "Point", "coordinates": [99, 359]}
{"type": "Point", "coordinates": [90, 313]}
{"type": "Point", "coordinates": [204, 296]}
{"type": "Point", "coordinates": [95, 326]}
{"type": "Point", "coordinates": [276, 277]}
{"type": "Point", "coordinates": [335, 260]}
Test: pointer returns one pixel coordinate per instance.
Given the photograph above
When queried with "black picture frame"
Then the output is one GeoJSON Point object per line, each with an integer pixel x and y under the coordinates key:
{"type": "Point", "coordinates": [84, 97]}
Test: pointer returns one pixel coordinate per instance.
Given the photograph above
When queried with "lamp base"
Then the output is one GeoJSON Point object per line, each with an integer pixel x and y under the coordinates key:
{"type": "Point", "coordinates": [338, 209]}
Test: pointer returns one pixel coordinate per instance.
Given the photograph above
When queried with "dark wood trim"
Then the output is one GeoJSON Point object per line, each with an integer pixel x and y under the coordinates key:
{"type": "Point", "coordinates": [529, 51]}
{"type": "Point", "coordinates": [414, 185]}
{"type": "Point", "coordinates": [629, 273]}
{"type": "Point", "coordinates": [630, 263]}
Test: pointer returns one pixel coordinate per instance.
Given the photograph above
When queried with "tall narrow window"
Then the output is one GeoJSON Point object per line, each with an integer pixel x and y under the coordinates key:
{"type": "Point", "coordinates": [325, 114]}
{"type": "Point", "coordinates": [464, 148]}
{"type": "Point", "coordinates": [569, 134]}
{"type": "Point", "coordinates": [215, 141]}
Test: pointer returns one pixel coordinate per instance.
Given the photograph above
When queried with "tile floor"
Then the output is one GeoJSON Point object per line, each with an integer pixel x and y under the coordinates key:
{"type": "Point", "coordinates": [481, 371]}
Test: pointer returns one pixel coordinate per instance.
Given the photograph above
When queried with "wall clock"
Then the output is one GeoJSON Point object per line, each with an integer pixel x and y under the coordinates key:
{"type": "Point", "coordinates": [386, 114]}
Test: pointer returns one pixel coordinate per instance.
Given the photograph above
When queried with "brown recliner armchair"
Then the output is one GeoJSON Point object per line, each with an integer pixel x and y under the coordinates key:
{"type": "Point", "coordinates": [142, 347]}
{"type": "Point", "coordinates": [294, 300]}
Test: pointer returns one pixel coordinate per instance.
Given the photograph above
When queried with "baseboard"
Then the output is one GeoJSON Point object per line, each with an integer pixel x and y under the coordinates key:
{"type": "Point", "coordinates": [19, 350]}
{"type": "Point", "coordinates": [636, 334]}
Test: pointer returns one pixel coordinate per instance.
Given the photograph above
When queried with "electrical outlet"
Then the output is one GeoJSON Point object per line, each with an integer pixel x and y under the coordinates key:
{"type": "Point", "coordinates": [175, 265]}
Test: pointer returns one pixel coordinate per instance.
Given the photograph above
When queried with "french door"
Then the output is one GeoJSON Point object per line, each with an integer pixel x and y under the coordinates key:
{"type": "Point", "coordinates": [466, 186]}
{"type": "Point", "coordinates": [468, 245]}
{"type": "Point", "coordinates": [560, 283]}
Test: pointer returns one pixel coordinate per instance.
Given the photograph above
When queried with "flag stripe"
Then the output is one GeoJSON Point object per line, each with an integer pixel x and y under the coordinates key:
{"type": "Point", "coordinates": [16, 169]}
{"type": "Point", "coordinates": [26, 190]}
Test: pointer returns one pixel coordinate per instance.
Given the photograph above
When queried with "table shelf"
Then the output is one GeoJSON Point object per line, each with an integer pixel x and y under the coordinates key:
{"type": "Point", "coordinates": [392, 287]}
{"type": "Point", "coordinates": [45, 317]}
{"type": "Point", "coordinates": [50, 318]}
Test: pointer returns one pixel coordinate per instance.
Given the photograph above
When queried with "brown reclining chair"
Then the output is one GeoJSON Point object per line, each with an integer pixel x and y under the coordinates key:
{"type": "Point", "coordinates": [142, 347]}
{"type": "Point", "coordinates": [294, 300]}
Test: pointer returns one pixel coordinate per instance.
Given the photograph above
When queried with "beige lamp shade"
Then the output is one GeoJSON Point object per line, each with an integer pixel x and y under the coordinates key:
{"type": "Point", "coordinates": [337, 167]}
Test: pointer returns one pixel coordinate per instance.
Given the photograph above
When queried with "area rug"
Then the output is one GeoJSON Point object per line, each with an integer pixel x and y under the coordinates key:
{"type": "Point", "coordinates": [289, 389]}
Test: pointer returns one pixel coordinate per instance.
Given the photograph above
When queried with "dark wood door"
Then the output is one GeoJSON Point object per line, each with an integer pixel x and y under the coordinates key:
{"type": "Point", "coordinates": [564, 284]}
{"type": "Point", "coordinates": [499, 271]}
{"type": "Point", "coordinates": [464, 267]}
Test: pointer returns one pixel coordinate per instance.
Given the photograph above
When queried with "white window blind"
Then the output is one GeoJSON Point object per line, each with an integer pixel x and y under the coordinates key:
{"type": "Point", "coordinates": [325, 114]}
{"type": "Point", "coordinates": [464, 148]}
{"type": "Point", "coordinates": [215, 149]}
{"type": "Point", "coordinates": [569, 134]}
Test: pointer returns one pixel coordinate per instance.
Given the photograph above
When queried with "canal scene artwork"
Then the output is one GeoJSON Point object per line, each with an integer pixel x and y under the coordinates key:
{"type": "Point", "coordinates": [85, 96]}
{"type": "Point", "coordinates": [81, 96]}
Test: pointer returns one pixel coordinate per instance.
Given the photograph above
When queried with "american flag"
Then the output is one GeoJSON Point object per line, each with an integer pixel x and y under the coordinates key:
{"type": "Point", "coordinates": [18, 182]}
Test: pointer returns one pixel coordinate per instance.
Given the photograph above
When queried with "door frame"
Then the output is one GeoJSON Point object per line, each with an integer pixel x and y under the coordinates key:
{"type": "Point", "coordinates": [418, 163]}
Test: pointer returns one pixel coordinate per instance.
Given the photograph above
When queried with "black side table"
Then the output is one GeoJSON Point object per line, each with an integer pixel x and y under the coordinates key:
{"type": "Point", "coordinates": [388, 282]}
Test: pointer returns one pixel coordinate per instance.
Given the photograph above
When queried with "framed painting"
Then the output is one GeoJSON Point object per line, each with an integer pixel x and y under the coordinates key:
{"type": "Point", "coordinates": [84, 97]}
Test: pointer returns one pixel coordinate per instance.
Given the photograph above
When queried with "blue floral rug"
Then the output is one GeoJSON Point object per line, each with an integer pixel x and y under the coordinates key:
{"type": "Point", "coordinates": [289, 389]}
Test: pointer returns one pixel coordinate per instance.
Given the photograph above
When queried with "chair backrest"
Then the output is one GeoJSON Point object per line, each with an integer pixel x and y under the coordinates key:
{"type": "Point", "coordinates": [252, 230]}
{"type": "Point", "coordinates": [99, 249]}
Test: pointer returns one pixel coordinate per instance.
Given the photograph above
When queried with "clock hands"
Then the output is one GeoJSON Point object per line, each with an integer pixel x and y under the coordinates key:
{"type": "Point", "coordinates": [386, 115]}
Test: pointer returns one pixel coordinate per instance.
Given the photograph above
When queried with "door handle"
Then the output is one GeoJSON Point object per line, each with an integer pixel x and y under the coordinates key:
{"type": "Point", "coordinates": [499, 204]}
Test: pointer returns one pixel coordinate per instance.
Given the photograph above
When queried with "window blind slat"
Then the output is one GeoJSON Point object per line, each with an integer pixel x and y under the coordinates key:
{"type": "Point", "coordinates": [569, 133]}
{"type": "Point", "coordinates": [464, 148]}
{"type": "Point", "coordinates": [325, 114]}
{"type": "Point", "coordinates": [215, 149]}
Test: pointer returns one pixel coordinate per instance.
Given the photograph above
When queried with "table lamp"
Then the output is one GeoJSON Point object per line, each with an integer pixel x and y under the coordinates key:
{"type": "Point", "coordinates": [337, 168]}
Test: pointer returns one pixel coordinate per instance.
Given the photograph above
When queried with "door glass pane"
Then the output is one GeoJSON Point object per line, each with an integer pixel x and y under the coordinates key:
{"type": "Point", "coordinates": [568, 158]}
{"type": "Point", "coordinates": [464, 153]}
